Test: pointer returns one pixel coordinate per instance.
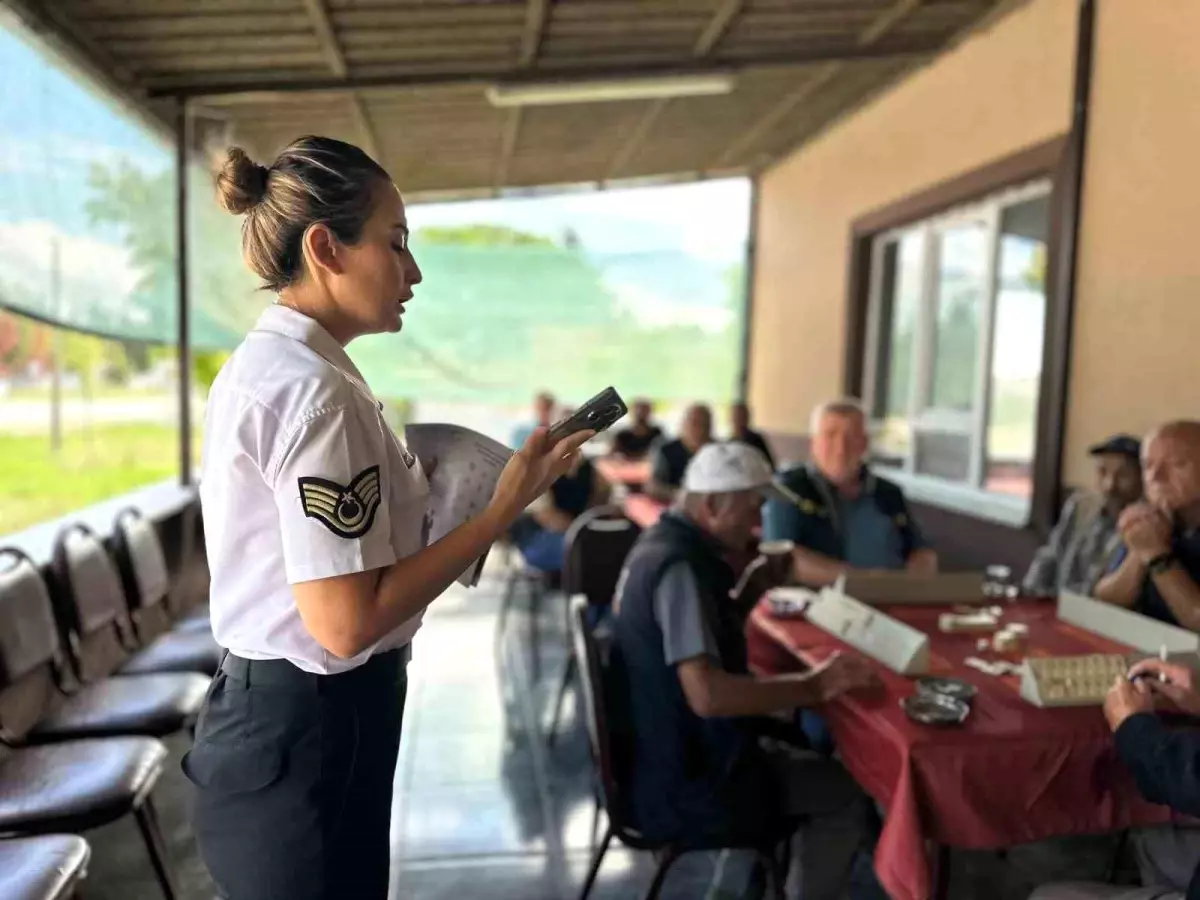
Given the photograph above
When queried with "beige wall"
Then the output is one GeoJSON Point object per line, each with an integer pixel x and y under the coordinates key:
{"type": "Point", "coordinates": [1136, 360]}
{"type": "Point", "coordinates": [1001, 91]}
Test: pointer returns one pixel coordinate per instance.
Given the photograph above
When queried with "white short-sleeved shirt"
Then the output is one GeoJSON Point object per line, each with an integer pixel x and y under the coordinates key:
{"type": "Point", "coordinates": [302, 479]}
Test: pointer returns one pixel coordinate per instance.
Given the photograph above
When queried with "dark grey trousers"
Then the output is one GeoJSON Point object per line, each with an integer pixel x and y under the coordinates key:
{"type": "Point", "coordinates": [294, 779]}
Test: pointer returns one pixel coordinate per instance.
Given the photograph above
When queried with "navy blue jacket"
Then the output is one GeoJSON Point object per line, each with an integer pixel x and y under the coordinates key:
{"type": "Point", "coordinates": [690, 777]}
{"type": "Point", "coordinates": [1166, 764]}
{"type": "Point", "coordinates": [813, 523]}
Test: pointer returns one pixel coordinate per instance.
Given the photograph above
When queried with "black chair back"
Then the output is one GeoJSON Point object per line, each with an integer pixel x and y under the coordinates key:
{"type": "Point", "coordinates": [143, 569]}
{"type": "Point", "coordinates": [596, 546]}
{"type": "Point", "coordinates": [31, 654]}
{"type": "Point", "coordinates": [91, 603]}
{"type": "Point", "coordinates": [191, 581]}
{"type": "Point", "coordinates": [593, 680]}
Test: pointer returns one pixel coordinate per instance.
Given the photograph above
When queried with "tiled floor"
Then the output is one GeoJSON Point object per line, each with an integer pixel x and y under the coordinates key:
{"type": "Point", "coordinates": [484, 809]}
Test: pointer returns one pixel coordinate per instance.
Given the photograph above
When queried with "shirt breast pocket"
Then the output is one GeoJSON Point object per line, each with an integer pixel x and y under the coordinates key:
{"type": "Point", "coordinates": [408, 496]}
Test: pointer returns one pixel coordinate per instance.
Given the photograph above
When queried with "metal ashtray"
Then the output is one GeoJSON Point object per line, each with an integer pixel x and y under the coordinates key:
{"type": "Point", "coordinates": [790, 602]}
{"type": "Point", "coordinates": [935, 709]}
{"type": "Point", "coordinates": [947, 687]}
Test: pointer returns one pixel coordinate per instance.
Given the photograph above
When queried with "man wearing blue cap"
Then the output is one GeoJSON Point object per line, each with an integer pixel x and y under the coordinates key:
{"type": "Point", "coordinates": [1086, 540]}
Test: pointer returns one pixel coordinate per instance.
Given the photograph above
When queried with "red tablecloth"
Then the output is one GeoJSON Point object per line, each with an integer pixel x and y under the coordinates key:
{"type": "Point", "coordinates": [623, 471]}
{"type": "Point", "coordinates": [644, 510]}
{"type": "Point", "coordinates": [1011, 773]}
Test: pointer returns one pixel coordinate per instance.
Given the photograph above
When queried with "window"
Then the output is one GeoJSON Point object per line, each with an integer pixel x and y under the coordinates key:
{"type": "Point", "coordinates": [88, 367]}
{"type": "Point", "coordinates": [82, 419]}
{"type": "Point", "coordinates": [955, 330]}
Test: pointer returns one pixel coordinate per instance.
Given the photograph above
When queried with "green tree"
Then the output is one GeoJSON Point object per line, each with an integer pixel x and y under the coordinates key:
{"type": "Point", "coordinates": [142, 207]}
{"type": "Point", "coordinates": [84, 355]}
{"type": "Point", "coordinates": [205, 366]}
{"type": "Point", "coordinates": [479, 235]}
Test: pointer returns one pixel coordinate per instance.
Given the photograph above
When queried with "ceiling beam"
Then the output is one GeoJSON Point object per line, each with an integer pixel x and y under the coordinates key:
{"type": "Point", "coordinates": [535, 27]}
{"type": "Point", "coordinates": [318, 15]}
{"type": "Point", "coordinates": [913, 49]}
{"type": "Point", "coordinates": [508, 147]}
{"type": "Point", "coordinates": [637, 137]}
{"type": "Point", "coordinates": [717, 27]}
{"type": "Point", "coordinates": [536, 12]}
{"type": "Point", "coordinates": [331, 49]}
{"type": "Point", "coordinates": [770, 120]}
{"type": "Point", "coordinates": [366, 128]}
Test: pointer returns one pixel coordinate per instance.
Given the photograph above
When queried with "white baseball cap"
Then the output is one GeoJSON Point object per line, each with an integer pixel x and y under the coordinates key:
{"type": "Point", "coordinates": [726, 468]}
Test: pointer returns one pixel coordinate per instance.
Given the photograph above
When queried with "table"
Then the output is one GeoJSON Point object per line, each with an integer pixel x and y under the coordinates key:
{"type": "Point", "coordinates": [629, 472]}
{"type": "Point", "coordinates": [644, 510]}
{"type": "Point", "coordinates": [1011, 773]}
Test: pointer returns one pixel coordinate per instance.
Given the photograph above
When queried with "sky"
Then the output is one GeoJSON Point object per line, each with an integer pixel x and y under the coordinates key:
{"type": "Point", "coordinates": [707, 220]}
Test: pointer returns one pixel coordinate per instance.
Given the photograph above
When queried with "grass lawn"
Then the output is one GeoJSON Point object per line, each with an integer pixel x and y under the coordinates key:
{"type": "Point", "coordinates": [95, 464]}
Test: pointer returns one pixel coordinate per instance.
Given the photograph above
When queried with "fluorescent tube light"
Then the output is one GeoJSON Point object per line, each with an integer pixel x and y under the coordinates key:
{"type": "Point", "coordinates": [608, 90]}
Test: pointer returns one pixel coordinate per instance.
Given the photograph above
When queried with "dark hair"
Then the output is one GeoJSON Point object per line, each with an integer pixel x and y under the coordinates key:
{"type": "Point", "coordinates": [314, 179]}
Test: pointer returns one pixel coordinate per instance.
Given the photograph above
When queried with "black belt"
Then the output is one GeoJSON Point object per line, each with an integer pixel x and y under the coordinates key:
{"type": "Point", "coordinates": [283, 673]}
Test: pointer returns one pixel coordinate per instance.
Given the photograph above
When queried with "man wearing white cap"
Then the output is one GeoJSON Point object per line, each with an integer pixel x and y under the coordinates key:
{"type": "Point", "coordinates": [693, 711]}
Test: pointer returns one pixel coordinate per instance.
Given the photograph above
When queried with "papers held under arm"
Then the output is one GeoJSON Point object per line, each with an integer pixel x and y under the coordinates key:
{"type": "Point", "coordinates": [468, 465]}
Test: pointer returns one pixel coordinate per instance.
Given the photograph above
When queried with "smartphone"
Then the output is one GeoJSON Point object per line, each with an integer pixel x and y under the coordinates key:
{"type": "Point", "coordinates": [597, 414]}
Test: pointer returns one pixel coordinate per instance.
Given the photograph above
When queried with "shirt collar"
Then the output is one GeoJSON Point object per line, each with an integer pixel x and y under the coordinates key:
{"type": "Point", "coordinates": [867, 478]}
{"type": "Point", "coordinates": [293, 324]}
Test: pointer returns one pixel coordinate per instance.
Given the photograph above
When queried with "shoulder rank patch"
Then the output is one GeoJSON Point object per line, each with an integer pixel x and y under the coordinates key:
{"type": "Point", "coordinates": [346, 510]}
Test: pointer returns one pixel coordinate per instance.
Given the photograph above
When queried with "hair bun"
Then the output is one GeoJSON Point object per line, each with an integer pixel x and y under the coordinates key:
{"type": "Point", "coordinates": [242, 183]}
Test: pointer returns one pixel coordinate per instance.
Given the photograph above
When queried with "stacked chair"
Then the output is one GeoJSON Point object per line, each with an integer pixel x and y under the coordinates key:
{"type": "Point", "coordinates": [42, 868]}
{"type": "Point", "coordinates": [143, 569]}
{"type": "Point", "coordinates": [94, 672]}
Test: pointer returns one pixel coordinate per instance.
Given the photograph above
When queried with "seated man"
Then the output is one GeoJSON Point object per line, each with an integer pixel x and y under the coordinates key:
{"type": "Point", "coordinates": [1085, 541]}
{"type": "Point", "coordinates": [1160, 573]}
{"type": "Point", "coordinates": [540, 532]}
{"type": "Point", "coordinates": [636, 441]}
{"type": "Point", "coordinates": [671, 459]}
{"type": "Point", "coordinates": [1166, 764]}
{"type": "Point", "coordinates": [847, 517]}
{"type": "Point", "coordinates": [742, 432]}
{"type": "Point", "coordinates": [696, 768]}
{"type": "Point", "coordinates": [543, 417]}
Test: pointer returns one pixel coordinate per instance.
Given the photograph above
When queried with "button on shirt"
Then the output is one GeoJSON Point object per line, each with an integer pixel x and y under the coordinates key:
{"type": "Point", "coordinates": [302, 479]}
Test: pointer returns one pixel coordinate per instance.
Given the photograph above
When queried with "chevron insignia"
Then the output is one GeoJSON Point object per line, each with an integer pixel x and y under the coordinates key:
{"type": "Point", "coordinates": [346, 510]}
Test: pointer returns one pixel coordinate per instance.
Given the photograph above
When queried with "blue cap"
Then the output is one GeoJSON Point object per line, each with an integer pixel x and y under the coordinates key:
{"type": "Point", "coordinates": [1119, 445]}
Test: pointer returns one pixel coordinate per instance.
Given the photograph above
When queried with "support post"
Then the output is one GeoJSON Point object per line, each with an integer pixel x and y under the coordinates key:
{"type": "Point", "coordinates": [183, 334]}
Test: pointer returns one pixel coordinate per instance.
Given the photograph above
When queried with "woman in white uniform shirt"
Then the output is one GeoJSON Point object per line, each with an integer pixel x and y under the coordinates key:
{"type": "Point", "coordinates": [315, 520]}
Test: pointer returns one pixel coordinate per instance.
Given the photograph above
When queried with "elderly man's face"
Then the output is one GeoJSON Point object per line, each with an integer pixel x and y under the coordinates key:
{"type": "Point", "coordinates": [1171, 469]}
{"type": "Point", "coordinates": [839, 445]}
{"type": "Point", "coordinates": [733, 518]}
{"type": "Point", "coordinates": [697, 427]}
{"type": "Point", "coordinates": [1119, 479]}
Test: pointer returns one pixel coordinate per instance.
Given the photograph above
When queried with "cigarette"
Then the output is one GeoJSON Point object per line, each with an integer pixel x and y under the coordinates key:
{"type": "Point", "coordinates": [1162, 655]}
